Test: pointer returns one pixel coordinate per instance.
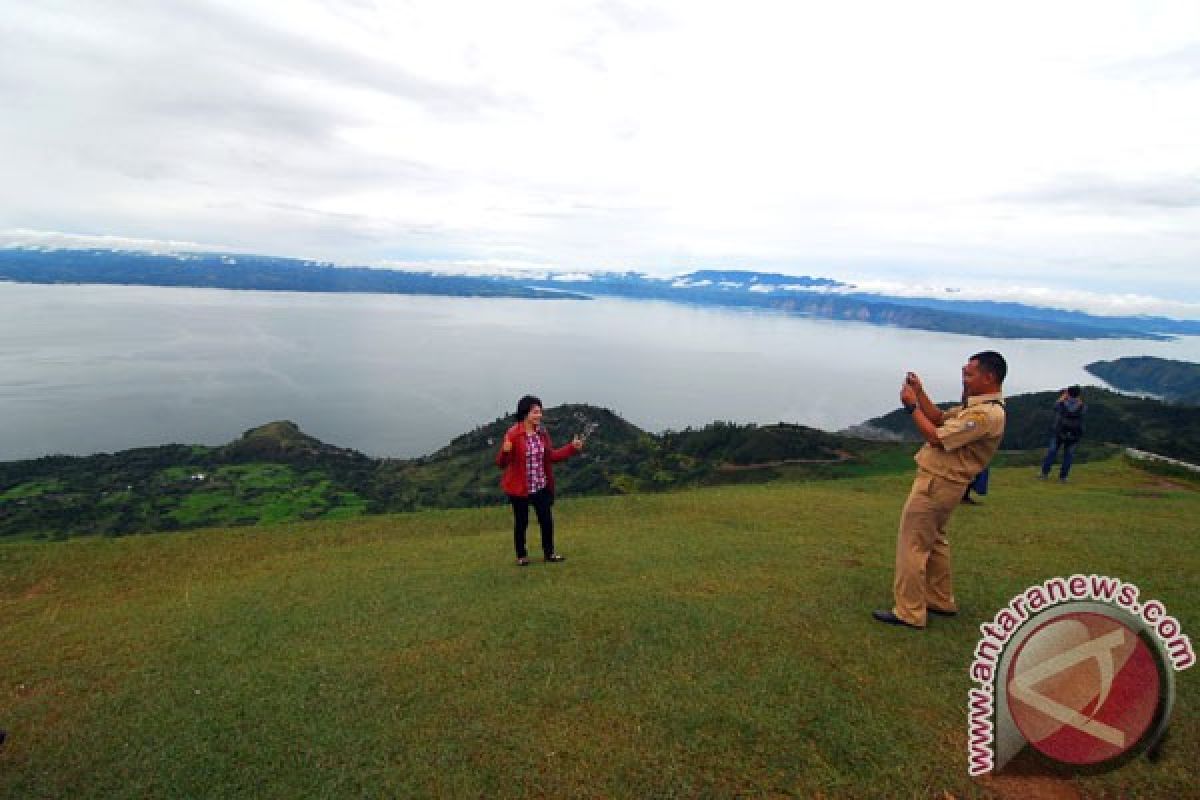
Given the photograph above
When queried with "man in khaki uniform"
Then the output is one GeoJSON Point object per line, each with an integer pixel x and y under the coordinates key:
{"type": "Point", "coordinates": [959, 443]}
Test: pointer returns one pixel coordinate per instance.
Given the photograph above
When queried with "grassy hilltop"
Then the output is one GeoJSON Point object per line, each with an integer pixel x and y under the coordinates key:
{"type": "Point", "coordinates": [700, 643]}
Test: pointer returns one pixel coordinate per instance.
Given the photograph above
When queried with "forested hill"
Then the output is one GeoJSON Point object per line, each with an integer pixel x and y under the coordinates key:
{"type": "Point", "coordinates": [276, 472]}
{"type": "Point", "coordinates": [1146, 424]}
{"type": "Point", "coordinates": [1174, 381]}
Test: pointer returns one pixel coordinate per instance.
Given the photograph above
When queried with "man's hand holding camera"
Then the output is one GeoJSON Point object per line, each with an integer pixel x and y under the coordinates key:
{"type": "Point", "coordinates": [914, 400]}
{"type": "Point", "coordinates": [911, 392]}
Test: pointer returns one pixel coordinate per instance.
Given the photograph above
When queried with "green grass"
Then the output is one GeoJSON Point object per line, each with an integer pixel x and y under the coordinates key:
{"type": "Point", "coordinates": [31, 489]}
{"type": "Point", "coordinates": [259, 494]}
{"type": "Point", "coordinates": [708, 643]}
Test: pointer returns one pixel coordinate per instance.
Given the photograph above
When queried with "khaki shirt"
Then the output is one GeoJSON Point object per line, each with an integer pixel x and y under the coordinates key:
{"type": "Point", "coordinates": [970, 436]}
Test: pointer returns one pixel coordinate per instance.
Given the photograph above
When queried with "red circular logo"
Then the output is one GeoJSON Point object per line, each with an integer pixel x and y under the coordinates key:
{"type": "Point", "coordinates": [1084, 688]}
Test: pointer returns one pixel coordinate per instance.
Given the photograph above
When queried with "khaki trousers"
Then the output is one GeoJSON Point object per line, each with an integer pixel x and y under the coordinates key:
{"type": "Point", "coordinates": [922, 549]}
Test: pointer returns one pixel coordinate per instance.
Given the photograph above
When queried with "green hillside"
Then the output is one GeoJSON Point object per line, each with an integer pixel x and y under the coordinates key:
{"type": "Point", "coordinates": [696, 644]}
{"type": "Point", "coordinates": [276, 473]}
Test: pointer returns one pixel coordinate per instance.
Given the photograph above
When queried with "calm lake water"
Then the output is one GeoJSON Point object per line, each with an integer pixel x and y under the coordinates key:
{"type": "Point", "coordinates": [87, 369]}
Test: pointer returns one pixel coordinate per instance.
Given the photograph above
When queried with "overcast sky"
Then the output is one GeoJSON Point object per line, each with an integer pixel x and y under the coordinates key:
{"type": "Point", "coordinates": [1048, 147]}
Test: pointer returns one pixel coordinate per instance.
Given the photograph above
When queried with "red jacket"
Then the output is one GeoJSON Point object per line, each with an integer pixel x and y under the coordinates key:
{"type": "Point", "coordinates": [514, 481]}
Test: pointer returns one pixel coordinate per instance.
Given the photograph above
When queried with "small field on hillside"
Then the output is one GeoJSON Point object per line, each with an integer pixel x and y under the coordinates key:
{"type": "Point", "coordinates": [707, 643]}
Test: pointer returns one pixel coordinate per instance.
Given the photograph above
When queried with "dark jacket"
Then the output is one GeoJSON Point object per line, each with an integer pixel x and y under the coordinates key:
{"type": "Point", "coordinates": [1068, 419]}
{"type": "Point", "coordinates": [514, 481]}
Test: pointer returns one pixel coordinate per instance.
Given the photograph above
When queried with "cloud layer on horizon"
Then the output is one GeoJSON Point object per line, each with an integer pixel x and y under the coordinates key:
{"type": "Point", "coordinates": [948, 144]}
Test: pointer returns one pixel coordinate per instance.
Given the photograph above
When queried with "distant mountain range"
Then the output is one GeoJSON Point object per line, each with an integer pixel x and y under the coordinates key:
{"type": "Point", "coordinates": [803, 295]}
{"type": "Point", "coordinates": [249, 272]}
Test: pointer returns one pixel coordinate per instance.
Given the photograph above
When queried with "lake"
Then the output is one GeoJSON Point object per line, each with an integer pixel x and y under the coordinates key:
{"type": "Point", "coordinates": [87, 369]}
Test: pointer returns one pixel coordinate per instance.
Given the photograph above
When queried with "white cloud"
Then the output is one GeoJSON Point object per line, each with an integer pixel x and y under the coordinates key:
{"type": "Point", "coordinates": [1107, 304]}
{"type": "Point", "coordinates": [1013, 144]}
{"type": "Point", "coordinates": [53, 240]}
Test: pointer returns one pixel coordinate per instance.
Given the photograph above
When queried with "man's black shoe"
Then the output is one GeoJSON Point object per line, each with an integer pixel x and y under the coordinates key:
{"type": "Point", "coordinates": [889, 618]}
{"type": "Point", "coordinates": [3, 736]}
{"type": "Point", "coordinates": [938, 612]}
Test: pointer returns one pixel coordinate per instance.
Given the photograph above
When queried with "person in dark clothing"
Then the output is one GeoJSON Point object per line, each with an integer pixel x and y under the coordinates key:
{"type": "Point", "coordinates": [526, 455]}
{"type": "Point", "coordinates": [1068, 430]}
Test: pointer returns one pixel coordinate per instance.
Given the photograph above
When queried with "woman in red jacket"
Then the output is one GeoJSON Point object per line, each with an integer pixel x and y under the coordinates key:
{"type": "Point", "coordinates": [526, 455]}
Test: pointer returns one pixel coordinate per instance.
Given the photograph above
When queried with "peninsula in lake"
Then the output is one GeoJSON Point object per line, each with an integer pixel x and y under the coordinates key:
{"type": "Point", "coordinates": [1173, 381]}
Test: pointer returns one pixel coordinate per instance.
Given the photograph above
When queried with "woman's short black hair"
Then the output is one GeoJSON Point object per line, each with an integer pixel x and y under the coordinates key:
{"type": "Point", "coordinates": [525, 405]}
{"type": "Point", "coordinates": [1074, 391]}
